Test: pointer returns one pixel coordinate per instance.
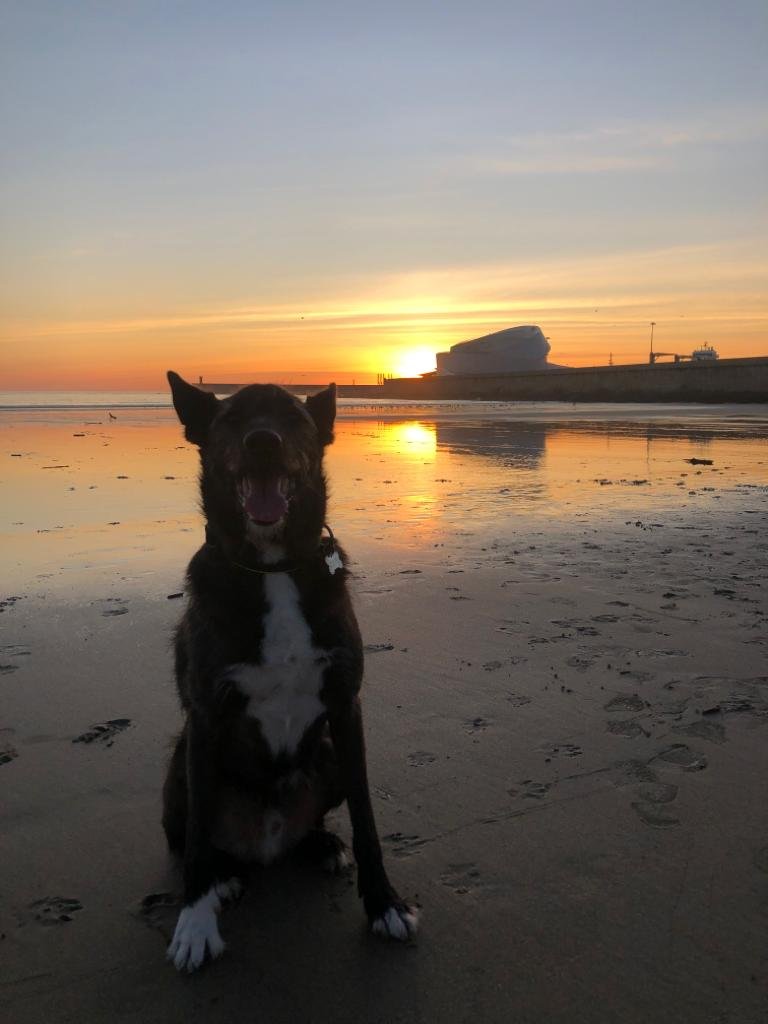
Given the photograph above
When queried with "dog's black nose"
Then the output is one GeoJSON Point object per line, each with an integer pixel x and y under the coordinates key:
{"type": "Point", "coordinates": [263, 441]}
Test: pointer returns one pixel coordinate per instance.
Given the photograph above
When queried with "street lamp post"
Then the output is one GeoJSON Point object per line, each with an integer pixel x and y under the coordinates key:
{"type": "Point", "coordinates": [653, 324]}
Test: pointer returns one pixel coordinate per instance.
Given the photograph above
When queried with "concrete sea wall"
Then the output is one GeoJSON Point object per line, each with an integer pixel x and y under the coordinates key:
{"type": "Point", "coordinates": [726, 380]}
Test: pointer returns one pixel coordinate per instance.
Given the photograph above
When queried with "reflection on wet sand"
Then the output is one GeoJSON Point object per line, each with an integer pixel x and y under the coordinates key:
{"type": "Point", "coordinates": [521, 445]}
{"type": "Point", "coordinates": [120, 489]}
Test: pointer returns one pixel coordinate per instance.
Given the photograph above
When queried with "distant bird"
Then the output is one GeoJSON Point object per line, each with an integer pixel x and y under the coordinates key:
{"type": "Point", "coordinates": [111, 416]}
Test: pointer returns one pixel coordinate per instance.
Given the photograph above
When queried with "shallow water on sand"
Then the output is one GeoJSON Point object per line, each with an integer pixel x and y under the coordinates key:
{"type": "Point", "coordinates": [87, 493]}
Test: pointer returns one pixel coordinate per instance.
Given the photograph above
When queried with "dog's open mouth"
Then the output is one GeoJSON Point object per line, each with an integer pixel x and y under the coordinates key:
{"type": "Point", "coordinates": [264, 499]}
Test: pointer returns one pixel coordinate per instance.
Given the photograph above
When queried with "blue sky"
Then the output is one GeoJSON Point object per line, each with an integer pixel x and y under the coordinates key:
{"type": "Point", "coordinates": [175, 161]}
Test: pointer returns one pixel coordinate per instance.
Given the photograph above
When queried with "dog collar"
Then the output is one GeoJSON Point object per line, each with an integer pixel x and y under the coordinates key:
{"type": "Point", "coordinates": [327, 549]}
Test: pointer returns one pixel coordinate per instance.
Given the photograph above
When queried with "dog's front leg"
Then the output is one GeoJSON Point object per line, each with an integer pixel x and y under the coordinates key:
{"type": "Point", "coordinates": [387, 913]}
{"type": "Point", "coordinates": [197, 930]}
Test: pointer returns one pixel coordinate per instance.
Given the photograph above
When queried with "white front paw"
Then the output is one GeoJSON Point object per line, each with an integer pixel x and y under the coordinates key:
{"type": "Point", "coordinates": [197, 933]}
{"type": "Point", "coordinates": [396, 923]}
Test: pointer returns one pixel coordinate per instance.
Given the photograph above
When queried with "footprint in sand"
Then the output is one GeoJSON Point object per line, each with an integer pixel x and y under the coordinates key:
{"type": "Point", "coordinates": [657, 792]}
{"type": "Point", "coordinates": [116, 606]}
{"type": "Point", "coordinates": [54, 910]}
{"type": "Point", "coordinates": [461, 878]}
{"type": "Point", "coordinates": [625, 702]}
{"type": "Point", "coordinates": [12, 651]}
{"type": "Point", "coordinates": [473, 725]}
{"type": "Point", "coordinates": [403, 845]}
{"type": "Point", "coordinates": [562, 750]}
{"type": "Point", "coordinates": [628, 728]}
{"type": "Point", "coordinates": [654, 814]}
{"type": "Point", "coordinates": [531, 790]}
{"type": "Point", "coordinates": [652, 807]}
{"type": "Point", "coordinates": [517, 700]}
{"type": "Point", "coordinates": [681, 756]}
{"type": "Point", "coordinates": [632, 772]}
{"type": "Point", "coordinates": [713, 732]}
{"type": "Point", "coordinates": [421, 757]}
{"type": "Point", "coordinates": [8, 754]}
{"type": "Point", "coordinates": [158, 910]}
{"type": "Point", "coordinates": [636, 675]}
{"type": "Point", "coordinates": [580, 663]}
{"type": "Point", "coordinates": [103, 732]}
{"type": "Point", "coordinates": [653, 796]}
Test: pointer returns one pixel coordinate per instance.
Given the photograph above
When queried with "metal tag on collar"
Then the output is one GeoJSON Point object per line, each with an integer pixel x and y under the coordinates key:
{"type": "Point", "coordinates": [332, 556]}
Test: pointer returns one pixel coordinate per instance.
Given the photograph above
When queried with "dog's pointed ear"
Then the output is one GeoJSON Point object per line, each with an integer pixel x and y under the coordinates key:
{"type": "Point", "coordinates": [322, 409]}
{"type": "Point", "coordinates": [195, 408]}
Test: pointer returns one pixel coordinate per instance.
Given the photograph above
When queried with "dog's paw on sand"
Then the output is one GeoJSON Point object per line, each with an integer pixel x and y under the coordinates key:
{"type": "Point", "coordinates": [197, 934]}
{"type": "Point", "coordinates": [54, 910]}
{"type": "Point", "coordinates": [399, 922]}
{"type": "Point", "coordinates": [103, 732]}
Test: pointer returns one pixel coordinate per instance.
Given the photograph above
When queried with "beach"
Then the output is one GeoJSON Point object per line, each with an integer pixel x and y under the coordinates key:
{"type": "Point", "coordinates": [566, 705]}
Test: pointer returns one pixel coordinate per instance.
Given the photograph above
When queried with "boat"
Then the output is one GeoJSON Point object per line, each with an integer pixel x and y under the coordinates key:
{"type": "Point", "coordinates": [705, 354]}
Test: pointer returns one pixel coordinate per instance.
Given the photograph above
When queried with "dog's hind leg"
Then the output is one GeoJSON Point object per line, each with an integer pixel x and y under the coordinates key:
{"type": "Point", "coordinates": [320, 846]}
{"type": "Point", "coordinates": [229, 877]}
{"type": "Point", "coordinates": [326, 849]}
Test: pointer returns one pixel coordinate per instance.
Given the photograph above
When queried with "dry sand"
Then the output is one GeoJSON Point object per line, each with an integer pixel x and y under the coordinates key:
{"type": "Point", "coordinates": [566, 701]}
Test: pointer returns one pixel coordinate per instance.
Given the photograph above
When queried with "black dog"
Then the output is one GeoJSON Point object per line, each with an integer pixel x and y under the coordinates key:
{"type": "Point", "coordinates": [269, 663]}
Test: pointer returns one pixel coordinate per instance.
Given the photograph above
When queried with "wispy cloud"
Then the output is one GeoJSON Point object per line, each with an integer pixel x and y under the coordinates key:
{"type": "Point", "coordinates": [616, 146]}
{"type": "Point", "coordinates": [711, 277]}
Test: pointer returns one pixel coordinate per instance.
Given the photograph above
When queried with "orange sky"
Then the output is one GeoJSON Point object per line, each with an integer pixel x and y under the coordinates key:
{"type": "Point", "coordinates": [589, 308]}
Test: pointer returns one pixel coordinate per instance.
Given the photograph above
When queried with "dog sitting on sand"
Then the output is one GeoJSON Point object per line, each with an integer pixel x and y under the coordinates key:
{"type": "Point", "coordinates": [269, 663]}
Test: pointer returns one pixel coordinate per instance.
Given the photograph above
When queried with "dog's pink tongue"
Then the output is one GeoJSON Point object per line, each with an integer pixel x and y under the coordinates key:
{"type": "Point", "coordinates": [265, 503]}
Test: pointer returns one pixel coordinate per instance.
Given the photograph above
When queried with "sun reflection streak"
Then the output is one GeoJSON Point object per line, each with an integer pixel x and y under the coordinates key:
{"type": "Point", "coordinates": [417, 440]}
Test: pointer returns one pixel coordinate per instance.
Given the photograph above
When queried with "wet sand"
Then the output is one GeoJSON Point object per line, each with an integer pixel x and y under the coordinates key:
{"type": "Point", "coordinates": [566, 701]}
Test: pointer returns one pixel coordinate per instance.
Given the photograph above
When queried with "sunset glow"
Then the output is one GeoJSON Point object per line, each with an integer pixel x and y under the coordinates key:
{"type": "Point", "coordinates": [414, 362]}
{"type": "Point", "coordinates": [240, 197]}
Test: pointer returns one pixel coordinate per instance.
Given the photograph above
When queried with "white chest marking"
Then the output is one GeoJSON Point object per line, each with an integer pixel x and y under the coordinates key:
{"type": "Point", "coordinates": [283, 690]}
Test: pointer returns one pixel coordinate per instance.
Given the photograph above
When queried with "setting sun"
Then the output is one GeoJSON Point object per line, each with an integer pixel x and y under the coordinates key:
{"type": "Point", "coordinates": [414, 361]}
